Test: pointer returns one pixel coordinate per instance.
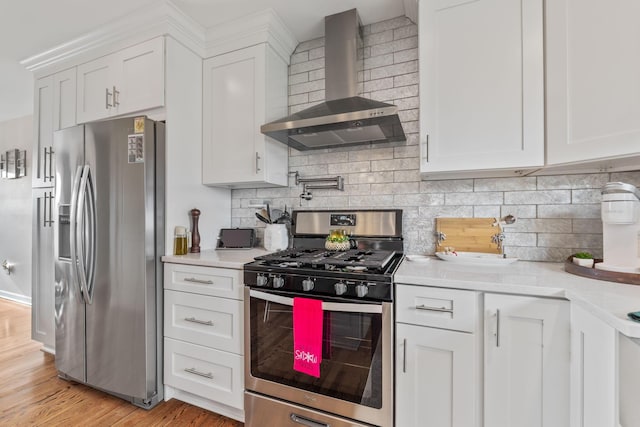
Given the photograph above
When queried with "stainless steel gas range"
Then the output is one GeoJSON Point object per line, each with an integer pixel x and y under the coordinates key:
{"type": "Point", "coordinates": [355, 287]}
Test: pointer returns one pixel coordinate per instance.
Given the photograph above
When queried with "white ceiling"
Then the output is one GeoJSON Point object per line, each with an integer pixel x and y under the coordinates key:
{"type": "Point", "coordinates": [28, 27]}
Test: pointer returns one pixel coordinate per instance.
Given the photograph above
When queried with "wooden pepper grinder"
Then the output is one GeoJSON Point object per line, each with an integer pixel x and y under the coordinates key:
{"type": "Point", "coordinates": [195, 234]}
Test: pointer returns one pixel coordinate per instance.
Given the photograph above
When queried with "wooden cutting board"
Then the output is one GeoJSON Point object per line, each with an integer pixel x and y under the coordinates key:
{"type": "Point", "coordinates": [468, 234]}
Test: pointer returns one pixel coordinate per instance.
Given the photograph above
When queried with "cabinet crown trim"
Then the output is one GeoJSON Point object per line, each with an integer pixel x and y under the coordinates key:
{"type": "Point", "coordinates": [132, 28]}
{"type": "Point", "coordinates": [260, 27]}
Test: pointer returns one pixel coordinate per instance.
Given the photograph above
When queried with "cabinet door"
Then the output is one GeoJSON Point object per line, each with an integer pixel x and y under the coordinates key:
{"type": "Point", "coordinates": [526, 361]}
{"type": "Point", "coordinates": [64, 99]}
{"type": "Point", "coordinates": [139, 84]}
{"type": "Point", "coordinates": [593, 371]}
{"type": "Point", "coordinates": [42, 274]}
{"type": "Point", "coordinates": [95, 89]}
{"type": "Point", "coordinates": [481, 86]}
{"type": "Point", "coordinates": [42, 169]}
{"type": "Point", "coordinates": [436, 379]}
{"type": "Point", "coordinates": [593, 64]}
{"type": "Point", "coordinates": [240, 90]}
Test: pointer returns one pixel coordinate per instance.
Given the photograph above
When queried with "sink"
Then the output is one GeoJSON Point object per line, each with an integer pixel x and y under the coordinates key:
{"type": "Point", "coordinates": [475, 258]}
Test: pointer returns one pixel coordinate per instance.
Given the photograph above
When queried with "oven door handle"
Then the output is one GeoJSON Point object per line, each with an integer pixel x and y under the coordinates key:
{"type": "Point", "coordinates": [344, 307]}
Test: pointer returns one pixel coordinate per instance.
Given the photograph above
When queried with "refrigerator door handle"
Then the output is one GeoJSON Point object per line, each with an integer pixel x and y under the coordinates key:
{"type": "Point", "coordinates": [91, 244]}
{"type": "Point", "coordinates": [73, 221]}
{"type": "Point", "coordinates": [81, 238]}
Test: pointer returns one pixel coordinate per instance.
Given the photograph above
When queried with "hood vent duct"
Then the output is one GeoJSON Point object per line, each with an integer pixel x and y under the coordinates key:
{"type": "Point", "coordinates": [344, 119]}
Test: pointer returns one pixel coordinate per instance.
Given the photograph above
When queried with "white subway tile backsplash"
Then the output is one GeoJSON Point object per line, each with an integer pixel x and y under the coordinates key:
{"type": "Point", "coordinates": [556, 215]}
{"type": "Point", "coordinates": [567, 240]}
{"type": "Point", "coordinates": [396, 188]}
{"type": "Point", "coordinates": [569, 211]}
{"type": "Point", "coordinates": [482, 211]}
{"type": "Point", "coordinates": [520, 211]}
{"type": "Point", "coordinates": [375, 201]}
{"type": "Point", "coordinates": [395, 164]}
{"type": "Point", "coordinates": [378, 38]}
{"type": "Point", "coordinates": [590, 226]}
{"type": "Point", "coordinates": [316, 53]}
{"type": "Point", "coordinates": [378, 61]}
{"type": "Point", "coordinates": [370, 177]}
{"type": "Point", "coordinates": [299, 57]}
{"type": "Point", "coordinates": [380, 84]}
{"type": "Point", "coordinates": [450, 186]}
{"type": "Point", "coordinates": [596, 180]}
{"type": "Point", "coordinates": [586, 196]}
{"type": "Point", "coordinates": [371, 154]}
{"type": "Point", "coordinates": [537, 197]}
{"type": "Point", "coordinates": [473, 199]}
{"type": "Point", "coordinates": [406, 176]}
{"type": "Point", "coordinates": [505, 184]}
{"type": "Point", "coordinates": [406, 31]}
{"type": "Point", "coordinates": [405, 56]}
{"type": "Point", "coordinates": [349, 167]}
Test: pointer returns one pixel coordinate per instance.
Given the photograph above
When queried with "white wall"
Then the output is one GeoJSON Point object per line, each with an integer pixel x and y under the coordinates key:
{"type": "Point", "coordinates": [184, 152]}
{"type": "Point", "coordinates": [15, 213]}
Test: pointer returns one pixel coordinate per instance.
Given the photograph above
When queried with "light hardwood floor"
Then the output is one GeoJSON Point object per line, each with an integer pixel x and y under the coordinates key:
{"type": "Point", "coordinates": [31, 394]}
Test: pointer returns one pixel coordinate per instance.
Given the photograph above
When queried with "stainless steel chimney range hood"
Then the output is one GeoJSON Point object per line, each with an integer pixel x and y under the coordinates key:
{"type": "Point", "coordinates": [344, 119]}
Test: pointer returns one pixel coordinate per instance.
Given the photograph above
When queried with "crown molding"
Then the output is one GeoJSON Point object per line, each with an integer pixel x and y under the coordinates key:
{"type": "Point", "coordinates": [143, 24]}
{"type": "Point", "coordinates": [260, 27]}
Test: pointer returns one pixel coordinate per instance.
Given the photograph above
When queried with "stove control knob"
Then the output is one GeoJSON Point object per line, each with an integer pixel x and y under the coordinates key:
{"type": "Point", "coordinates": [362, 290]}
{"type": "Point", "coordinates": [340, 288]}
{"type": "Point", "coordinates": [307, 284]}
{"type": "Point", "coordinates": [262, 280]}
{"type": "Point", "coordinates": [278, 282]}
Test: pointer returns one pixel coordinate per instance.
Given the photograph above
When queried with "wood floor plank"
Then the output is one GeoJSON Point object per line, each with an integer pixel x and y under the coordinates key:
{"type": "Point", "coordinates": [31, 394]}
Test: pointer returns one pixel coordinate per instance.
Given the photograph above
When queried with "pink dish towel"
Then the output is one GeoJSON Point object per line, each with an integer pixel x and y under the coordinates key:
{"type": "Point", "coordinates": [307, 336]}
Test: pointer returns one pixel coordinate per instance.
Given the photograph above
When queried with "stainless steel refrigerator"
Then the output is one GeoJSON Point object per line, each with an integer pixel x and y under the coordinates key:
{"type": "Point", "coordinates": [109, 204]}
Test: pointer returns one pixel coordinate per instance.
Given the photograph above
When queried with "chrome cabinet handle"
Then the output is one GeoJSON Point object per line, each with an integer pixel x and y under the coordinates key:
{"type": "Point", "coordinates": [497, 328]}
{"type": "Point", "coordinates": [201, 322]}
{"type": "Point", "coordinates": [404, 356]}
{"type": "Point", "coordinates": [194, 280]}
{"type": "Point", "coordinates": [115, 97]}
{"type": "Point", "coordinates": [51, 164]}
{"type": "Point", "coordinates": [45, 176]}
{"type": "Point", "coordinates": [194, 371]}
{"type": "Point", "coordinates": [106, 101]}
{"type": "Point", "coordinates": [438, 309]}
{"type": "Point", "coordinates": [44, 210]}
{"type": "Point", "coordinates": [257, 162]}
{"type": "Point", "coordinates": [306, 421]}
{"type": "Point", "coordinates": [48, 197]}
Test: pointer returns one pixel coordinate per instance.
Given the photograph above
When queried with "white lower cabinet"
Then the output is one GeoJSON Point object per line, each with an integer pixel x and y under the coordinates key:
{"type": "Point", "coordinates": [526, 362]}
{"type": "Point", "coordinates": [593, 371]}
{"type": "Point", "coordinates": [435, 377]}
{"type": "Point", "coordinates": [203, 338]}
{"type": "Point", "coordinates": [436, 369]}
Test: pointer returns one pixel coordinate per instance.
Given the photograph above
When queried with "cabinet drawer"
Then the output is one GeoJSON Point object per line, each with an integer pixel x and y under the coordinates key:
{"type": "Point", "coordinates": [217, 282]}
{"type": "Point", "coordinates": [205, 372]}
{"type": "Point", "coordinates": [441, 308]}
{"type": "Point", "coordinates": [209, 321]}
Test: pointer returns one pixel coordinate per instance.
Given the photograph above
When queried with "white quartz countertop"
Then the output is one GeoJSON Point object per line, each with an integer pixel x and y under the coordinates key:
{"type": "Point", "coordinates": [607, 300]}
{"type": "Point", "coordinates": [226, 258]}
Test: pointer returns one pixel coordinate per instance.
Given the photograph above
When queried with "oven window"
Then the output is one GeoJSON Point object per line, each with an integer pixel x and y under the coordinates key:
{"type": "Point", "coordinates": [351, 367]}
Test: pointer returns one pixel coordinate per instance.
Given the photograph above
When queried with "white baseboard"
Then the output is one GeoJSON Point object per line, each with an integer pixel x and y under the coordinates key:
{"type": "Point", "coordinates": [201, 402]}
{"type": "Point", "coordinates": [22, 299]}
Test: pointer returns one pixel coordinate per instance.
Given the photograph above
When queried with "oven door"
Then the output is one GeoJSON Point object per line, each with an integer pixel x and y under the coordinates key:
{"type": "Point", "coordinates": [356, 372]}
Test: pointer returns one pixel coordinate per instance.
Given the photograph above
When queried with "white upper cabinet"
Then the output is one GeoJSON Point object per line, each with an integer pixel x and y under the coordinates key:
{"type": "Point", "coordinates": [481, 87]}
{"type": "Point", "coordinates": [54, 109]}
{"type": "Point", "coordinates": [593, 81]}
{"type": "Point", "coordinates": [242, 90]}
{"type": "Point", "coordinates": [124, 82]}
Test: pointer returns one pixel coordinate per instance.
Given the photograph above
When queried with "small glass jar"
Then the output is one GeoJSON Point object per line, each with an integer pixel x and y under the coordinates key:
{"type": "Point", "coordinates": [180, 241]}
